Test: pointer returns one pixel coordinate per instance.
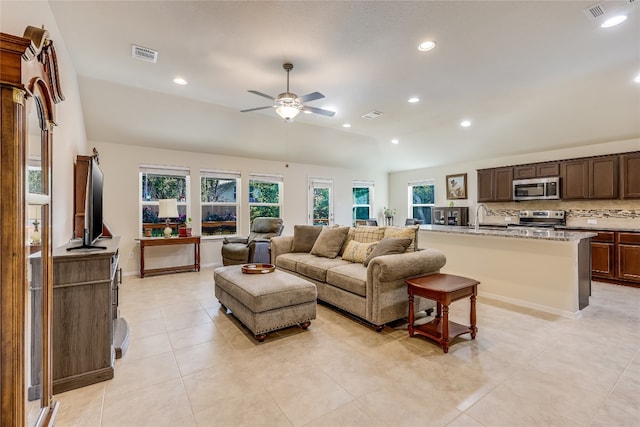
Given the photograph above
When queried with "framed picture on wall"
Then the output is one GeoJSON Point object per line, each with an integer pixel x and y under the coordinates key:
{"type": "Point", "coordinates": [457, 186]}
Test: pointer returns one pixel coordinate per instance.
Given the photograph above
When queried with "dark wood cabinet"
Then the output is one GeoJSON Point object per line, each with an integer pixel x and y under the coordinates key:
{"type": "Point", "coordinates": [590, 178]}
{"type": "Point", "coordinates": [603, 255]}
{"type": "Point", "coordinates": [536, 170]}
{"type": "Point", "coordinates": [603, 177]}
{"type": "Point", "coordinates": [629, 256]}
{"type": "Point", "coordinates": [495, 185]}
{"type": "Point", "coordinates": [630, 175]}
{"type": "Point", "coordinates": [574, 175]}
{"type": "Point", "coordinates": [615, 257]}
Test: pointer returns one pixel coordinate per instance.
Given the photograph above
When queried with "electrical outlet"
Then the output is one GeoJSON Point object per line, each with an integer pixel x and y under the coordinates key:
{"type": "Point", "coordinates": [592, 221]}
{"type": "Point", "coordinates": [507, 219]}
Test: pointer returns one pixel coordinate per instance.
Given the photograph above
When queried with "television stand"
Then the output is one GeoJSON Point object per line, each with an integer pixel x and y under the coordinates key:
{"type": "Point", "coordinates": [83, 246]}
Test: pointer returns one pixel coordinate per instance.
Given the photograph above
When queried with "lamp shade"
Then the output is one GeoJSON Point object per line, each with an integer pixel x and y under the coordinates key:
{"type": "Point", "coordinates": [168, 208]}
{"type": "Point", "coordinates": [287, 112]}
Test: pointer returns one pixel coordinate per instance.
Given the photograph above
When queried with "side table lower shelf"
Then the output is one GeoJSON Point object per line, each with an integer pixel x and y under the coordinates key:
{"type": "Point", "coordinates": [433, 330]}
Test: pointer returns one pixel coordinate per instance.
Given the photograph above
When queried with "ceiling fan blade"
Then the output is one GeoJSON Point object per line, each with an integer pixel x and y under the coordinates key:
{"type": "Point", "coordinates": [264, 95]}
{"type": "Point", "coordinates": [319, 111]}
{"type": "Point", "coordinates": [310, 97]}
{"type": "Point", "coordinates": [255, 109]}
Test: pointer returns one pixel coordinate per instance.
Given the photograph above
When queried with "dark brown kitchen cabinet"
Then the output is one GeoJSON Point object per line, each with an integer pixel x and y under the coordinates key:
{"type": "Point", "coordinates": [495, 185]}
{"type": "Point", "coordinates": [630, 175]}
{"type": "Point", "coordinates": [603, 255]}
{"type": "Point", "coordinates": [629, 257]}
{"type": "Point", "coordinates": [590, 178]}
{"type": "Point", "coordinates": [536, 170]}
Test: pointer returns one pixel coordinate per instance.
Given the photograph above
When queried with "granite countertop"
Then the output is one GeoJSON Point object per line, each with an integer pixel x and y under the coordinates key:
{"type": "Point", "coordinates": [497, 231]}
{"type": "Point", "coordinates": [595, 228]}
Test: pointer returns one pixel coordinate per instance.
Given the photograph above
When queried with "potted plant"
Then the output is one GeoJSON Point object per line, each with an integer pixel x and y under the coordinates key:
{"type": "Point", "coordinates": [388, 215]}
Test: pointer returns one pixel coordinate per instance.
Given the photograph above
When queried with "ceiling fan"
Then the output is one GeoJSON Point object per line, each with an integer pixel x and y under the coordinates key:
{"type": "Point", "coordinates": [288, 104]}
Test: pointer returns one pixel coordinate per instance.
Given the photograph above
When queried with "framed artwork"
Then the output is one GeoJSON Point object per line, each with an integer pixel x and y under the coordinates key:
{"type": "Point", "coordinates": [457, 186]}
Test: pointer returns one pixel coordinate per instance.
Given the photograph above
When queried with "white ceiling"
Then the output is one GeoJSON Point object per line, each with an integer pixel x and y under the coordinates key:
{"type": "Point", "coordinates": [530, 75]}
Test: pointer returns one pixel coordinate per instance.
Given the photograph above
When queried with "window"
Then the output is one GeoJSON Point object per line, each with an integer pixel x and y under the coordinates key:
{"type": "Point", "coordinates": [321, 201]}
{"type": "Point", "coordinates": [162, 182]}
{"type": "Point", "coordinates": [362, 200]}
{"type": "Point", "coordinates": [421, 200]}
{"type": "Point", "coordinates": [265, 196]}
{"type": "Point", "coordinates": [219, 202]}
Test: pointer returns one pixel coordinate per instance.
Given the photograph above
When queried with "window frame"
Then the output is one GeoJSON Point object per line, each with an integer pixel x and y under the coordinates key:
{"type": "Point", "coordinates": [221, 174]}
{"type": "Point", "coordinates": [268, 178]}
{"type": "Point", "coordinates": [179, 171]}
{"type": "Point", "coordinates": [411, 205]}
{"type": "Point", "coordinates": [362, 184]}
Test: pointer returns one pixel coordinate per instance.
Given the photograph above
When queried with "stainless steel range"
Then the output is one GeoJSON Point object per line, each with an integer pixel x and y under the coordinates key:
{"type": "Point", "coordinates": [539, 223]}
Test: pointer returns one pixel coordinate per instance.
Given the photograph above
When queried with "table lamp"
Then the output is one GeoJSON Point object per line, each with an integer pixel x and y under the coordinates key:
{"type": "Point", "coordinates": [34, 213]}
{"type": "Point", "coordinates": [168, 209]}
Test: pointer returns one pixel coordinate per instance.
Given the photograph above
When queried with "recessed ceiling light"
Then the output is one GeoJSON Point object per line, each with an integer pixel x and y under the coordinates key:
{"type": "Point", "coordinates": [180, 81]}
{"type": "Point", "coordinates": [346, 125]}
{"type": "Point", "coordinates": [306, 111]}
{"type": "Point", "coordinates": [637, 79]}
{"type": "Point", "coordinates": [465, 123]}
{"type": "Point", "coordinates": [414, 100]}
{"type": "Point", "coordinates": [611, 22]}
{"type": "Point", "coordinates": [428, 45]}
{"type": "Point", "coordinates": [394, 141]}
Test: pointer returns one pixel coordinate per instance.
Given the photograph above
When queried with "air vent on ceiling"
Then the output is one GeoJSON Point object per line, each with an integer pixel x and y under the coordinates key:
{"type": "Point", "coordinates": [595, 11]}
{"type": "Point", "coordinates": [144, 54]}
{"type": "Point", "coordinates": [372, 115]}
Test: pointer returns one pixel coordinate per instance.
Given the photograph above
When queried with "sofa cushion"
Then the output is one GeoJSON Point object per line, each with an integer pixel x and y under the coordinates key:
{"type": "Point", "coordinates": [368, 234]}
{"type": "Point", "coordinates": [358, 252]}
{"type": "Point", "coordinates": [349, 238]}
{"type": "Point", "coordinates": [315, 267]}
{"type": "Point", "coordinates": [351, 277]}
{"type": "Point", "coordinates": [388, 246]}
{"type": "Point", "coordinates": [288, 261]}
{"type": "Point", "coordinates": [329, 241]}
{"type": "Point", "coordinates": [409, 232]}
{"type": "Point", "coordinates": [304, 236]}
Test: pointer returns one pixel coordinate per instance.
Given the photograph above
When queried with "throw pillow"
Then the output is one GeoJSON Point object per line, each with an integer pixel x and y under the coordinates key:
{"type": "Point", "coordinates": [367, 234]}
{"type": "Point", "coordinates": [349, 238]}
{"type": "Point", "coordinates": [358, 252]}
{"type": "Point", "coordinates": [304, 236]}
{"type": "Point", "coordinates": [409, 232]}
{"type": "Point", "coordinates": [388, 246]}
{"type": "Point", "coordinates": [329, 241]}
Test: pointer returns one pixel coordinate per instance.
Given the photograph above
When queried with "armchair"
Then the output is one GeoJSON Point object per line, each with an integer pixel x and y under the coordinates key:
{"type": "Point", "coordinates": [255, 247]}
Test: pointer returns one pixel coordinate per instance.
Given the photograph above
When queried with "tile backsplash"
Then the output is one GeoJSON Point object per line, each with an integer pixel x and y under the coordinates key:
{"type": "Point", "coordinates": [606, 213]}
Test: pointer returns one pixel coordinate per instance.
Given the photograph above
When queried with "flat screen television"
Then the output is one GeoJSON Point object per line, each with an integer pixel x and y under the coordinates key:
{"type": "Point", "coordinates": [93, 208]}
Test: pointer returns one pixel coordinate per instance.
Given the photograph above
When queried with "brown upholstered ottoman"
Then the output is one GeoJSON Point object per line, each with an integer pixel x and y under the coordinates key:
{"type": "Point", "coordinates": [265, 302]}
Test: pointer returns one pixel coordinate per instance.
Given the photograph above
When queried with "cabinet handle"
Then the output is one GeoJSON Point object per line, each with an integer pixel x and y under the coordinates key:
{"type": "Point", "coordinates": [120, 274]}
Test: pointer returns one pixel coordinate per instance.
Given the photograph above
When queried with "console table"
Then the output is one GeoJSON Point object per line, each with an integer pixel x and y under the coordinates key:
{"type": "Point", "coordinates": [168, 241]}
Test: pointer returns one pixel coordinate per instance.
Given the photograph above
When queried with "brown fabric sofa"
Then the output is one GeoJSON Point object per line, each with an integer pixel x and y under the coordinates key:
{"type": "Point", "coordinates": [376, 292]}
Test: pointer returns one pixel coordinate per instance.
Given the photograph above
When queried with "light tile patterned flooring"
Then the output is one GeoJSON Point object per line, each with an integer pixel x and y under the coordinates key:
{"type": "Point", "coordinates": [189, 363]}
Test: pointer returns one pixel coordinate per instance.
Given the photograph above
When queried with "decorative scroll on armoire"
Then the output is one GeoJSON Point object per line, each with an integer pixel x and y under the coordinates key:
{"type": "Point", "coordinates": [29, 89]}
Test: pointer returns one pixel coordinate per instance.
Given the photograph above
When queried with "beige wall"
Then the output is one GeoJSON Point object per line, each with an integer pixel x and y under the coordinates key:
{"type": "Point", "coordinates": [120, 164]}
{"type": "Point", "coordinates": [398, 184]}
{"type": "Point", "coordinates": [69, 136]}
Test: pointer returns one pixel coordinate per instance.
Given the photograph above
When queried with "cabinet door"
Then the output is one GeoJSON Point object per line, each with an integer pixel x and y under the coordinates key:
{"type": "Point", "coordinates": [629, 257]}
{"type": "Point", "coordinates": [524, 172]}
{"type": "Point", "coordinates": [547, 169]}
{"type": "Point", "coordinates": [503, 184]}
{"type": "Point", "coordinates": [486, 179]}
{"type": "Point", "coordinates": [630, 175]}
{"type": "Point", "coordinates": [602, 260]}
{"type": "Point", "coordinates": [575, 179]}
{"type": "Point", "coordinates": [603, 177]}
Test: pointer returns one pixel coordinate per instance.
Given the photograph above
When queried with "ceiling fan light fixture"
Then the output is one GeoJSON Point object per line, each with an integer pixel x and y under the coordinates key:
{"type": "Point", "coordinates": [287, 112]}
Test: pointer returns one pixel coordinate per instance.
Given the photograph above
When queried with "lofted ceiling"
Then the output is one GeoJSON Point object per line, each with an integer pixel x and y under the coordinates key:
{"type": "Point", "coordinates": [530, 76]}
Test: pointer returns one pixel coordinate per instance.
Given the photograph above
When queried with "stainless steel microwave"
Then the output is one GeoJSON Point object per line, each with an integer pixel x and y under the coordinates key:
{"type": "Point", "coordinates": [536, 189]}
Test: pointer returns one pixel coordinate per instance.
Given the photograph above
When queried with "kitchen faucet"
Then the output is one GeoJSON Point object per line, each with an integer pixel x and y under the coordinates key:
{"type": "Point", "coordinates": [478, 207]}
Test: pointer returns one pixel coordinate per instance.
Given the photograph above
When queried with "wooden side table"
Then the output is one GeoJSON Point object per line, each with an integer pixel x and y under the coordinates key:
{"type": "Point", "coordinates": [168, 241]}
{"type": "Point", "coordinates": [444, 289]}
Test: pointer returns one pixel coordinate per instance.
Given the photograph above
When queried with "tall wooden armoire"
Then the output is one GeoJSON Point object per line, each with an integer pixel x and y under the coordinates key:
{"type": "Point", "coordinates": [29, 90]}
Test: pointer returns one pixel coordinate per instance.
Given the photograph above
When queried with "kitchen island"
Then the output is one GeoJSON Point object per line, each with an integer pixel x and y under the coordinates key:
{"type": "Point", "coordinates": [548, 270]}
